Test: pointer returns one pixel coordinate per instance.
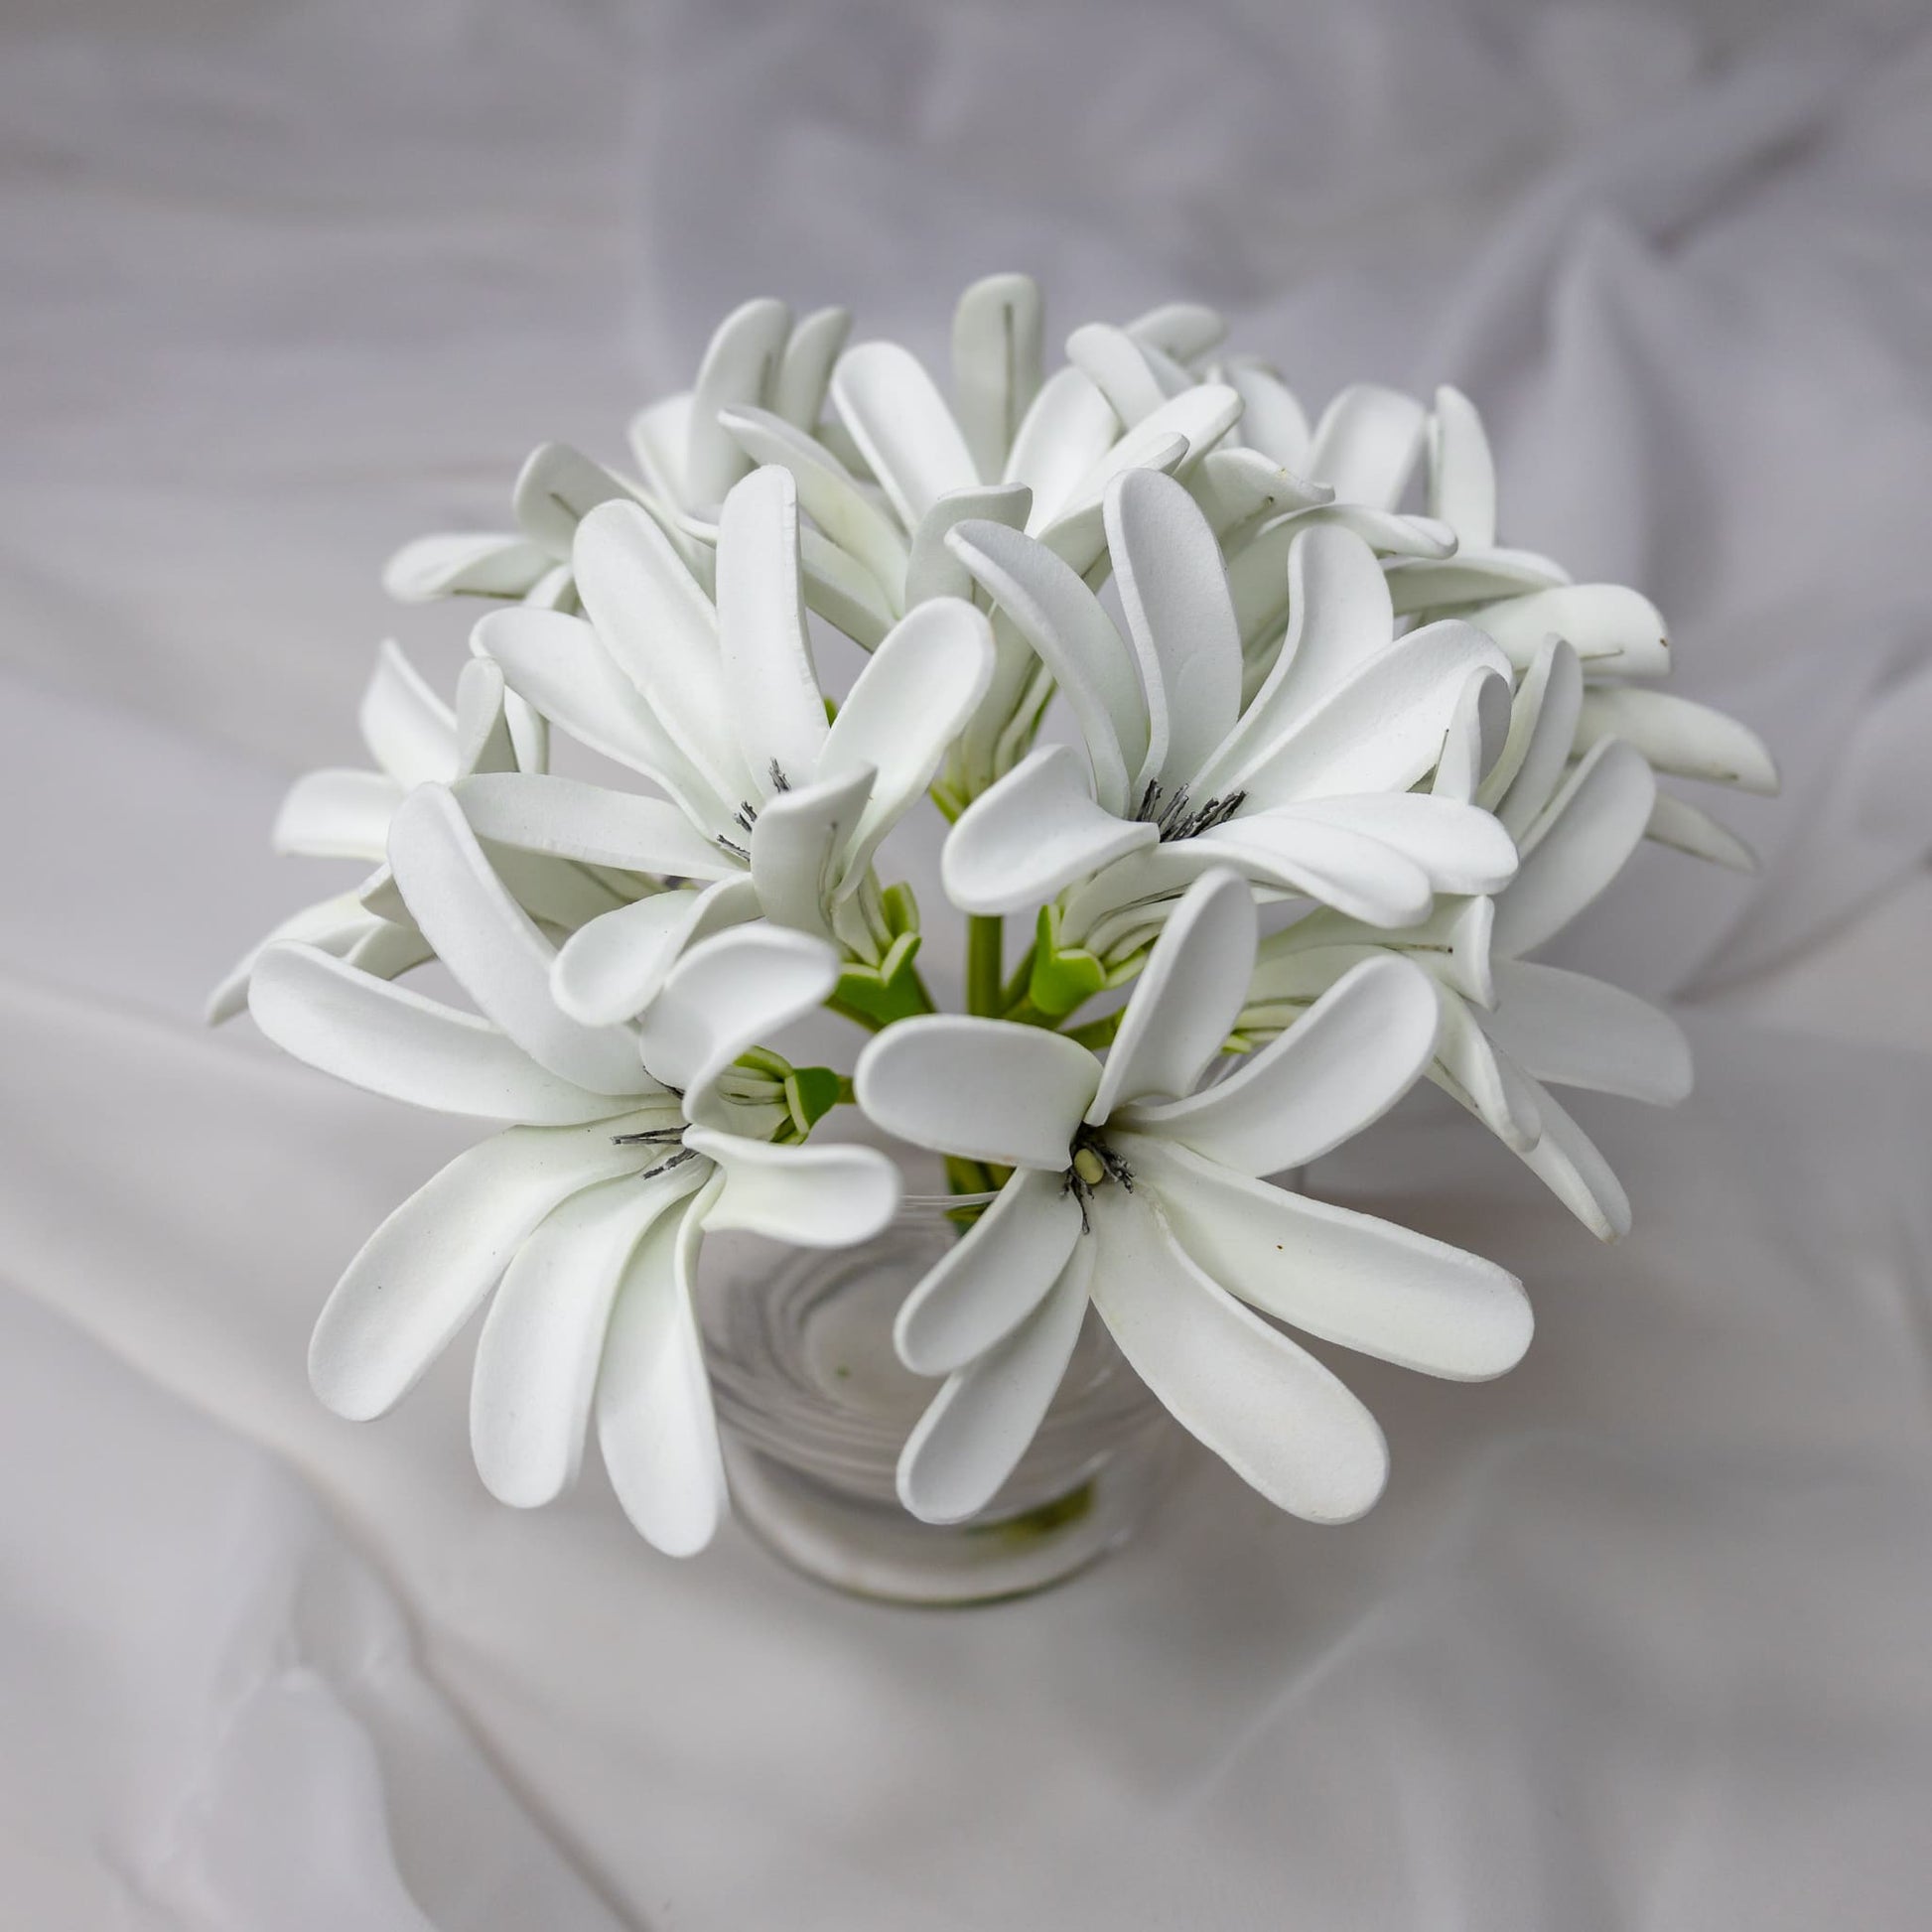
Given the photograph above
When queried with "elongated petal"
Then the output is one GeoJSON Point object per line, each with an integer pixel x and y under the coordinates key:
{"type": "Point", "coordinates": [805, 368]}
{"type": "Point", "coordinates": [611, 969]}
{"type": "Point", "coordinates": [1366, 1284]}
{"type": "Point", "coordinates": [1579, 1032]}
{"type": "Point", "coordinates": [842, 590]}
{"type": "Point", "coordinates": [1175, 595]}
{"type": "Point", "coordinates": [654, 1421]}
{"type": "Point", "coordinates": [902, 426]}
{"type": "Point", "coordinates": [1236, 487]}
{"type": "Point", "coordinates": [997, 334]}
{"type": "Point", "coordinates": [593, 824]}
{"type": "Point", "coordinates": [409, 730]}
{"type": "Point", "coordinates": [812, 1196]}
{"type": "Point", "coordinates": [1182, 330]}
{"type": "Point", "coordinates": [556, 663]}
{"type": "Point", "coordinates": [767, 660]}
{"type": "Point", "coordinates": [653, 618]}
{"type": "Point", "coordinates": [1461, 472]}
{"type": "Point", "coordinates": [1033, 832]}
{"type": "Point", "coordinates": [1261, 1403]}
{"type": "Point", "coordinates": [1075, 640]}
{"type": "Point", "coordinates": [1611, 627]}
{"type": "Point", "coordinates": [1273, 420]}
{"type": "Point", "coordinates": [1691, 741]}
{"type": "Point", "coordinates": [993, 1276]}
{"type": "Point", "coordinates": [908, 705]}
{"type": "Point", "coordinates": [542, 1339]}
{"type": "Point", "coordinates": [727, 993]}
{"type": "Point", "coordinates": [1684, 827]}
{"type": "Point", "coordinates": [1065, 433]}
{"type": "Point", "coordinates": [1580, 843]}
{"type": "Point", "coordinates": [935, 569]}
{"type": "Point", "coordinates": [798, 847]}
{"type": "Point", "coordinates": [557, 488]}
{"type": "Point", "coordinates": [1197, 418]}
{"type": "Point", "coordinates": [1382, 730]}
{"type": "Point", "coordinates": [396, 1041]}
{"type": "Point", "coordinates": [332, 925]}
{"type": "Point", "coordinates": [425, 1271]}
{"type": "Point", "coordinates": [966, 1444]}
{"type": "Point", "coordinates": [1460, 848]}
{"type": "Point", "coordinates": [1366, 444]}
{"type": "Point", "coordinates": [1344, 1063]}
{"type": "Point", "coordinates": [1486, 1081]}
{"type": "Point", "coordinates": [457, 566]}
{"type": "Point", "coordinates": [741, 366]}
{"type": "Point", "coordinates": [661, 436]}
{"type": "Point", "coordinates": [489, 943]}
{"type": "Point", "coordinates": [1426, 583]}
{"type": "Point", "coordinates": [1187, 1000]}
{"type": "Point", "coordinates": [1542, 733]}
{"type": "Point", "coordinates": [983, 1088]}
{"type": "Point", "coordinates": [337, 814]}
{"type": "Point", "coordinates": [1568, 1161]}
{"type": "Point", "coordinates": [1300, 852]}
{"type": "Point", "coordinates": [1115, 365]}
{"type": "Point", "coordinates": [1479, 729]}
{"type": "Point", "coordinates": [484, 737]}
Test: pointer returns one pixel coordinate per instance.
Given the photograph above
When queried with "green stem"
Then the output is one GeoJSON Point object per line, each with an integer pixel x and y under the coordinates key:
{"type": "Point", "coordinates": [985, 962]}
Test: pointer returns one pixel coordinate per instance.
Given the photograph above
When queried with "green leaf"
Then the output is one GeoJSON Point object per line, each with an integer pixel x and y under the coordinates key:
{"type": "Point", "coordinates": [900, 910]}
{"type": "Point", "coordinates": [1061, 981]}
{"type": "Point", "coordinates": [811, 1092]}
{"type": "Point", "coordinates": [876, 996]}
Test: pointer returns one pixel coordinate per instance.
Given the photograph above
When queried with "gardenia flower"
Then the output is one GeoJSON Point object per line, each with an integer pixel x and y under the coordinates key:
{"type": "Point", "coordinates": [769, 809]}
{"type": "Point", "coordinates": [1134, 1191]}
{"type": "Point", "coordinates": [1509, 1024]}
{"type": "Point", "coordinates": [1303, 789]}
{"type": "Point", "coordinates": [588, 1214]}
{"type": "Point", "coordinates": [413, 738]}
{"type": "Point", "coordinates": [1521, 599]}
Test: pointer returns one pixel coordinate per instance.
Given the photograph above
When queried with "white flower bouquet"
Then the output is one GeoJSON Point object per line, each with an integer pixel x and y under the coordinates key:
{"type": "Point", "coordinates": [1332, 765]}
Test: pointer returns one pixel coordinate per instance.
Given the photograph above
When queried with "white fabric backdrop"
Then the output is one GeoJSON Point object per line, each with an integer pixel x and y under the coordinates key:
{"type": "Point", "coordinates": [1638, 1637]}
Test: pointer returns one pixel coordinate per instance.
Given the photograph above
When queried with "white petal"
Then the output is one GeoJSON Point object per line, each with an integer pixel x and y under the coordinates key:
{"type": "Point", "coordinates": [332, 925]}
{"type": "Point", "coordinates": [1300, 852]}
{"type": "Point", "coordinates": [337, 814]}
{"type": "Point", "coordinates": [830, 497]}
{"type": "Point", "coordinates": [1067, 431]}
{"type": "Point", "coordinates": [484, 740]}
{"type": "Point", "coordinates": [766, 656]}
{"type": "Point", "coordinates": [805, 368]}
{"type": "Point", "coordinates": [842, 590]}
{"type": "Point", "coordinates": [901, 424]}
{"type": "Point", "coordinates": [798, 846]}
{"type": "Point", "coordinates": [1579, 845]}
{"type": "Point", "coordinates": [557, 488]}
{"type": "Point", "coordinates": [1474, 577]}
{"type": "Point", "coordinates": [1479, 729]}
{"type": "Point", "coordinates": [409, 730]}
{"type": "Point", "coordinates": [654, 1421]}
{"type": "Point", "coordinates": [1187, 997]}
{"type": "Point", "coordinates": [476, 566]}
{"type": "Point", "coordinates": [1182, 330]}
{"type": "Point", "coordinates": [424, 1272]}
{"type": "Point", "coordinates": [1460, 848]}
{"type": "Point", "coordinates": [728, 994]}
{"type": "Point", "coordinates": [983, 1088]}
{"type": "Point", "coordinates": [659, 436]}
{"type": "Point", "coordinates": [1272, 418]}
{"type": "Point", "coordinates": [741, 366]}
{"type": "Point", "coordinates": [966, 1444]}
{"type": "Point", "coordinates": [1031, 833]}
{"type": "Point", "coordinates": [1236, 489]}
{"type": "Point", "coordinates": [557, 663]}
{"type": "Point", "coordinates": [1579, 1032]}
{"type": "Point", "coordinates": [653, 618]}
{"type": "Point", "coordinates": [1611, 628]}
{"type": "Point", "coordinates": [1199, 418]}
{"type": "Point", "coordinates": [1689, 741]}
{"type": "Point", "coordinates": [1684, 827]}
{"type": "Point", "coordinates": [997, 334]}
{"type": "Point", "coordinates": [396, 1041]}
{"type": "Point", "coordinates": [907, 706]}
{"type": "Point", "coordinates": [593, 824]}
{"type": "Point", "coordinates": [1461, 472]}
{"type": "Point", "coordinates": [489, 943]}
{"type": "Point", "coordinates": [611, 969]}
{"type": "Point", "coordinates": [1542, 731]}
{"type": "Point", "coordinates": [1114, 363]}
{"type": "Point", "coordinates": [1566, 1161]}
{"type": "Point", "coordinates": [1075, 640]}
{"type": "Point", "coordinates": [935, 569]}
{"type": "Point", "coordinates": [993, 1276]}
{"type": "Point", "coordinates": [542, 1340]}
{"type": "Point", "coordinates": [1258, 574]}
{"type": "Point", "coordinates": [1344, 1063]}
{"type": "Point", "coordinates": [1260, 1402]}
{"type": "Point", "coordinates": [1366, 444]}
{"type": "Point", "coordinates": [1365, 1284]}
{"type": "Point", "coordinates": [1382, 730]}
{"type": "Point", "coordinates": [812, 1196]}
{"type": "Point", "coordinates": [1175, 595]}
{"type": "Point", "coordinates": [1488, 1082]}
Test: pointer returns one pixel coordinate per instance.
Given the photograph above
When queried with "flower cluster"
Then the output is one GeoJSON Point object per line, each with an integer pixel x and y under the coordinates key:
{"type": "Point", "coordinates": [1327, 765]}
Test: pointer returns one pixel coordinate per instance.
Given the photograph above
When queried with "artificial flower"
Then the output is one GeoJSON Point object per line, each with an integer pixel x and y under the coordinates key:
{"type": "Point", "coordinates": [587, 1215]}
{"type": "Point", "coordinates": [1135, 1192]}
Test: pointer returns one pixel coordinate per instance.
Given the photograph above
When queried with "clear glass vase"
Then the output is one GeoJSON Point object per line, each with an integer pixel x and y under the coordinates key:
{"type": "Point", "coordinates": [813, 1408]}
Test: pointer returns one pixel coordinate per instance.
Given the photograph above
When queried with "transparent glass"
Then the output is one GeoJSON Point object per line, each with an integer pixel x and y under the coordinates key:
{"type": "Point", "coordinates": [813, 1408]}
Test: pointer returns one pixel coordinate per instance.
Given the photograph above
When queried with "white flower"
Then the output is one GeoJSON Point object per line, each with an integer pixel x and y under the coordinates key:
{"type": "Point", "coordinates": [1521, 599]}
{"type": "Point", "coordinates": [412, 737]}
{"type": "Point", "coordinates": [770, 809]}
{"type": "Point", "coordinates": [586, 1216]}
{"type": "Point", "coordinates": [1509, 1024]}
{"type": "Point", "coordinates": [1303, 789]}
{"type": "Point", "coordinates": [1150, 1208]}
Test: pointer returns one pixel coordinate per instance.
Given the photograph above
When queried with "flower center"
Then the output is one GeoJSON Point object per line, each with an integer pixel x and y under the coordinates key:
{"type": "Point", "coordinates": [1093, 1164]}
{"type": "Point", "coordinates": [1180, 818]}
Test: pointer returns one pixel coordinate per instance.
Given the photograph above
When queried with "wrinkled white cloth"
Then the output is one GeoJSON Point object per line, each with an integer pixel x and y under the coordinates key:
{"type": "Point", "coordinates": [1637, 1639]}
